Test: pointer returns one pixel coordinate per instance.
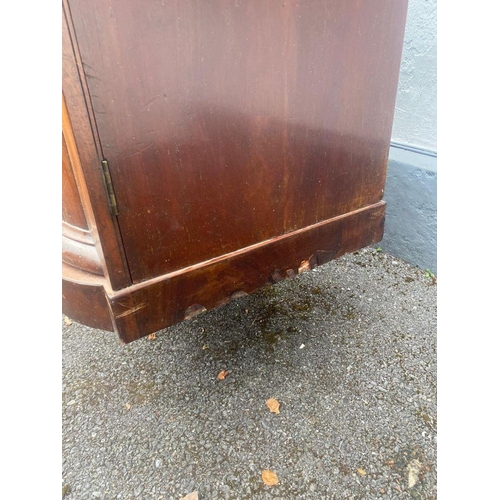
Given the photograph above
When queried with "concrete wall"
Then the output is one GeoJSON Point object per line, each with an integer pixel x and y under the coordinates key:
{"type": "Point", "coordinates": [411, 221]}
{"type": "Point", "coordinates": [415, 115]}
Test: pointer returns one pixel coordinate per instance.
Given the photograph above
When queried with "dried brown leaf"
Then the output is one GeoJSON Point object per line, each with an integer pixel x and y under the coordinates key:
{"type": "Point", "coordinates": [191, 496]}
{"type": "Point", "coordinates": [67, 321]}
{"type": "Point", "coordinates": [269, 477]}
{"type": "Point", "coordinates": [222, 375]}
{"type": "Point", "coordinates": [152, 336]}
{"type": "Point", "coordinates": [361, 472]}
{"type": "Point", "coordinates": [273, 405]}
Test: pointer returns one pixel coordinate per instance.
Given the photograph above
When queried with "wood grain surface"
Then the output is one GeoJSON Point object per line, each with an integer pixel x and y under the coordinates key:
{"type": "Point", "coordinates": [247, 142]}
{"type": "Point", "coordinates": [227, 123]}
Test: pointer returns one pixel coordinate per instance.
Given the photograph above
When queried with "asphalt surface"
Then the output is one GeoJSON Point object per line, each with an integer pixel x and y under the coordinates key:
{"type": "Point", "coordinates": [348, 350]}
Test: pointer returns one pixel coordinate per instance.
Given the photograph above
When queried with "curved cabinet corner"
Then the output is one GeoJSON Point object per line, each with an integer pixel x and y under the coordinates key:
{"type": "Point", "coordinates": [78, 247]}
{"type": "Point", "coordinates": [84, 298]}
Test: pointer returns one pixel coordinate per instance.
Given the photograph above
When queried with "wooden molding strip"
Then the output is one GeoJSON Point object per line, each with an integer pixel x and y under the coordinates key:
{"type": "Point", "coordinates": [147, 307]}
{"type": "Point", "coordinates": [81, 255]}
{"type": "Point", "coordinates": [77, 233]}
{"type": "Point", "coordinates": [140, 309]}
{"type": "Point", "coordinates": [245, 250]}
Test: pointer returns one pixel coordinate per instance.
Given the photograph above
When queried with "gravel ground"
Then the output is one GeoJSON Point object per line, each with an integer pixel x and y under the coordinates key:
{"type": "Point", "coordinates": [349, 351]}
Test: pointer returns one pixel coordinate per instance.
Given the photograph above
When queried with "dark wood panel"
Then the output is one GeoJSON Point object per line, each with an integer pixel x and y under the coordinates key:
{"type": "Point", "coordinates": [226, 124]}
{"type": "Point", "coordinates": [147, 307]}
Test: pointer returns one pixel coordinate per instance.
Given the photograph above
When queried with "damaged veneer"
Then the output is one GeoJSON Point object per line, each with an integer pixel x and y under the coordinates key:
{"type": "Point", "coordinates": [147, 307]}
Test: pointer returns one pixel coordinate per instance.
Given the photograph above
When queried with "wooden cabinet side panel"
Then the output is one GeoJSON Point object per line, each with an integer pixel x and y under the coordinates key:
{"type": "Point", "coordinates": [229, 123]}
{"type": "Point", "coordinates": [86, 160]}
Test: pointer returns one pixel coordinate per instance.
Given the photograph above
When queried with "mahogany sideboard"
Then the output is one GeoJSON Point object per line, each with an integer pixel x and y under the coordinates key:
{"type": "Point", "coordinates": [214, 147]}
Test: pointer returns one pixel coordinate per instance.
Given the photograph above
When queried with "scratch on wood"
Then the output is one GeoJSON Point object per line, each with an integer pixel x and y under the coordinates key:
{"type": "Point", "coordinates": [310, 263]}
{"type": "Point", "coordinates": [132, 310]}
{"type": "Point", "coordinates": [304, 266]}
{"type": "Point", "coordinates": [194, 310]}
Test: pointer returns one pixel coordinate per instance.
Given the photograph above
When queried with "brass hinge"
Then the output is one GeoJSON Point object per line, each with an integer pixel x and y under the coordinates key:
{"type": "Point", "coordinates": [109, 188]}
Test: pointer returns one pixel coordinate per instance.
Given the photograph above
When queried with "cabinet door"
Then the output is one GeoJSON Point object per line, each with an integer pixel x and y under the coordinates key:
{"type": "Point", "coordinates": [228, 123]}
